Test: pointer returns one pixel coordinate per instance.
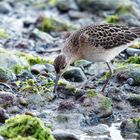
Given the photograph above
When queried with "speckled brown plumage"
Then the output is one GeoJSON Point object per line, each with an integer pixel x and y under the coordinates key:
{"type": "Point", "coordinates": [97, 43]}
{"type": "Point", "coordinates": [105, 36]}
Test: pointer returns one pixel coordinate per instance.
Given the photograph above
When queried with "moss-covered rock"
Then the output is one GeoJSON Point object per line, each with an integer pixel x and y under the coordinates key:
{"type": "Point", "coordinates": [51, 24]}
{"type": "Point", "coordinates": [25, 126]}
{"type": "Point", "coordinates": [134, 99]}
{"type": "Point", "coordinates": [130, 129]}
{"type": "Point", "coordinates": [97, 103]}
{"type": "Point", "coordinates": [6, 75]}
{"type": "Point", "coordinates": [125, 71]}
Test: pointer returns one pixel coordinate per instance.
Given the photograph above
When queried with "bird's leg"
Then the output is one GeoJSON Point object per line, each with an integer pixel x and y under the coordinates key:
{"type": "Point", "coordinates": [108, 78]}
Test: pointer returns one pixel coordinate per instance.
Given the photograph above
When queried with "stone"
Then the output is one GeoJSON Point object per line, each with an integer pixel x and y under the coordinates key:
{"type": "Point", "coordinates": [5, 7]}
{"type": "Point", "coordinates": [13, 110]}
{"type": "Point", "coordinates": [63, 135]}
{"type": "Point", "coordinates": [134, 99]}
{"type": "Point", "coordinates": [22, 101]}
{"type": "Point", "coordinates": [6, 75]}
{"type": "Point", "coordinates": [96, 104]}
{"type": "Point", "coordinates": [66, 105]}
{"type": "Point", "coordinates": [38, 68]}
{"type": "Point", "coordinates": [131, 71]}
{"type": "Point", "coordinates": [130, 128]}
{"type": "Point", "coordinates": [100, 129]}
{"type": "Point", "coordinates": [49, 67]}
{"type": "Point", "coordinates": [133, 51]}
{"type": "Point", "coordinates": [116, 94]}
{"type": "Point", "coordinates": [9, 60]}
{"type": "Point", "coordinates": [3, 115]}
{"type": "Point", "coordinates": [7, 99]}
{"type": "Point", "coordinates": [74, 74]}
{"type": "Point", "coordinates": [66, 5]}
{"type": "Point", "coordinates": [102, 5]}
{"type": "Point", "coordinates": [35, 99]}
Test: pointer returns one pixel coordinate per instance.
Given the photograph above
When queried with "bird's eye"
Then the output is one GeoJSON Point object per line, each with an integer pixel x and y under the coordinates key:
{"type": "Point", "coordinates": [63, 67]}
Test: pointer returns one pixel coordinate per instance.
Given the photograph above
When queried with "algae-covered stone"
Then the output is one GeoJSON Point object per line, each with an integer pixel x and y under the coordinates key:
{"type": "Point", "coordinates": [129, 71]}
{"type": "Point", "coordinates": [74, 74]}
{"type": "Point", "coordinates": [97, 103]}
{"type": "Point", "coordinates": [25, 126]}
{"type": "Point", "coordinates": [50, 24]}
{"type": "Point", "coordinates": [130, 129]}
{"type": "Point", "coordinates": [134, 99]}
{"type": "Point", "coordinates": [6, 75]}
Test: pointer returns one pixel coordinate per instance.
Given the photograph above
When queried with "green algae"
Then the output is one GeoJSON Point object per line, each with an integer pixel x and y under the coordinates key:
{"type": "Point", "coordinates": [106, 103]}
{"type": "Point", "coordinates": [25, 126]}
{"type": "Point", "coordinates": [136, 122]}
{"type": "Point", "coordinates": [91, 93]}
{"type": "Point", "coordinates": [112, 19]}
{"type": "Point", "coordinates": [134, 59]}
{"type": "Point", "coordinates": [51, 24]}
{"type": "Point", "coordinates": [3, 33]}
{"type": "Point", "coordinates": [32, 60]}
{"type": "Point", "coordinates": [6, 74]}
{"type": "Point", "coordinates": [18, 69]}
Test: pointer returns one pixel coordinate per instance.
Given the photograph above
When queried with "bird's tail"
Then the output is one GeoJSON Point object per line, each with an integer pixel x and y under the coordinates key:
{"type": "Point", "coordinates": [136, 31]}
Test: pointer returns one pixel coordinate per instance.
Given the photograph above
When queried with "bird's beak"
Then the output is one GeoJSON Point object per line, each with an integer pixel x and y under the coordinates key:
{"type": "Point", "coordinates": [56, 83]}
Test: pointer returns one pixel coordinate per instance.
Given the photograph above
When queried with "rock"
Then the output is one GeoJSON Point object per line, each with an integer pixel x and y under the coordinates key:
{"type": "Point", "coordinates": [96, 104]}
{"type": "Point", "coordinates": [6, 75]}
{"type": "Point", "coordinates": [133, 51]}
{"type": "Point", "coordinates": [63, 135]}
{"type": "Point", "coordinates": [3, 115]}
{"type": "Point", "coordinates": [13, 110]}
{"type": "Point", "coordinates": [132, 71]}
{"type": "Point", "coordinates": [7, 99]}
{"type": "Point", "coordinates": [66, 5]}
{"type": "Point", "coordinates": [2, 138]}
{"type": "Point", "coordinates": [35, 99]}
{"type": "Point", "coordinates": [49, 67]}
{"type": "Point", "coordinates": [130, 81]}
{"type": "Point", "coordinates": [99, 5]}
{"type": "Point", "coordinates": [66, 105]}
{"type": "Point", "coordinates": [100, 129]}
{"type": "Point", "coordinates": [5, 7]}
{"type": "Point", "coordinates": [22, 101]}
{"type": "Point", "coordinates": [74, 74]}
{"type": "Point", "coordinates": [38, 68]}
{"type": "Point", "coordinates": [130, 128]}
{"type": "Point", "coordinates": [71, 120]}
{"type": "Point", "coordinates": [129, 19]}
{"type": "Point", "coordinates": [82, 63]}
{"type": "Point", "coordinates": [9, 60]}
{"type": "Point", "coordinates": [134, 99]}
{"type": "Point", "coordinates": [116, 94]}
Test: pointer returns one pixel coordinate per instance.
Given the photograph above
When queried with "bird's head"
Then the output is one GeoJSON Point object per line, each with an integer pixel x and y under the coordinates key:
{"type": "Point", "coordinates": [60, 64]}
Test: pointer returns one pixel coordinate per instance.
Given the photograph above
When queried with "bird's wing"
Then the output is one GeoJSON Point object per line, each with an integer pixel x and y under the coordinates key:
{"type": "Point", "coordinates": [109, 36]}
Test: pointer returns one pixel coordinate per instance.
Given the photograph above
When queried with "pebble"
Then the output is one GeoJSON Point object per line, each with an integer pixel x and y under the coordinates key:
{"type": "Point", "coordinates": [22, 101]}
{"type": "Point", "coordinates": [3, 115]}
{"type": "Point", "coordinates": [7, 99]}
{"type": "Point", "coordinates": [63, 135]}
{"type": "Point", "coordinates": [74, 74]}
{"type": "Point", "coordinates": [133, 51]}
{"type": "Point", "coordinates": [38, 68]}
